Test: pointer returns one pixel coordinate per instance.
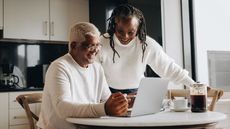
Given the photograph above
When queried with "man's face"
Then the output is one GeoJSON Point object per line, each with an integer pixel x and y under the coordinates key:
{"type": "Point", "coordinates": [85, 52]}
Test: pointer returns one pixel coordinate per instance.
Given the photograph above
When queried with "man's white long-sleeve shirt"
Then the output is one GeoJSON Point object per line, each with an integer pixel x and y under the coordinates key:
{"type": "Point", "coordinates": [128, 70]}
{"type": "Point", "coordinates": [72, 91]}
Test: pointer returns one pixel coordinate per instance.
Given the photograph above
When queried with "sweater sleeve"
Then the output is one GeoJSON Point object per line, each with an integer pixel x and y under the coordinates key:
{"type": "Point", "coordinates": [165, 66]}
{"type": "Point", "coordinates": [105, 91]}
{"type": "Point", "coordinates": [60, 93]}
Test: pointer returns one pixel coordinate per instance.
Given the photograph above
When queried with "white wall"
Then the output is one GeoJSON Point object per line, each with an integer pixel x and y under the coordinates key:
{"type": "Point", "coordinates": [212, 31]}
{"type": "Point", "coordinates": [172, 32]}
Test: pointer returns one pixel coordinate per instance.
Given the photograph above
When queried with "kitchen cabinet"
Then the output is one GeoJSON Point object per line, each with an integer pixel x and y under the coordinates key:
{"type": "Point", "coordinates": [42, 19]}
{"type": "Point", "coordinates": [4, 111]}
{"type": "Point", "coordinates": [12, 115]}
{"type": "Point", "coordinates": [63, 14]}
{"type": "Point", "coordinates": [26, 19]}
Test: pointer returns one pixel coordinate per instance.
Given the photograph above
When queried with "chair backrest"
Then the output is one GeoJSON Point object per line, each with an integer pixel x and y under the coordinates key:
{"type": "Point", "coordinates": [24, 100]}
{"type": "Point", "coordinates": [213, 93]}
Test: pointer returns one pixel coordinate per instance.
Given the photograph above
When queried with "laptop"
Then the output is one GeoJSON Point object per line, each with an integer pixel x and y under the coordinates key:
{"type": "Point", "coordinates": [150, 95]}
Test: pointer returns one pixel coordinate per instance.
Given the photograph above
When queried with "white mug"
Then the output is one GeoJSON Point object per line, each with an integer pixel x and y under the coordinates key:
{"type": "Point", "coordinates": [180, 103]}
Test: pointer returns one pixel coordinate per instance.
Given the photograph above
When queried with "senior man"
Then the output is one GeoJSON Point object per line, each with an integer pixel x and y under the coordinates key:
{"type": "Point", "coordinates": [75, 85]}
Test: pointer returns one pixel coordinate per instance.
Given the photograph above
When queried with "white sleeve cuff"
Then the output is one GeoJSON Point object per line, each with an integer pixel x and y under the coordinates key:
{"type": "Point", "coordinates": [100, 109]}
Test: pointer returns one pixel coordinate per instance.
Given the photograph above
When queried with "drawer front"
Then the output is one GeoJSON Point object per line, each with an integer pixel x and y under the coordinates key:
{"type": "Point", "coordinates": [26, 126]}
{"type": "Point", "coordinates": [18, 116]}
{"type": "Point", "coordinates": [12, 99]}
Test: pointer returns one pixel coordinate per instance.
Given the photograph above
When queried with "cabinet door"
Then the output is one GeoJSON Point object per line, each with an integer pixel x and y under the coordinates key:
{"type": "Point", "coordinates": [26, 19]}
{"type": "Point", "coordinates": [18, 116]}
{"type": "Point", "coordinates": [63, 14]}
{"type": "Point", "coordinates": [4, 111]}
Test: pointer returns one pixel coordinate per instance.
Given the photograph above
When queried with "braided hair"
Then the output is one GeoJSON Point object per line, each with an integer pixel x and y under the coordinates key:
{"type": "Point", "coordinates": [125, 11]}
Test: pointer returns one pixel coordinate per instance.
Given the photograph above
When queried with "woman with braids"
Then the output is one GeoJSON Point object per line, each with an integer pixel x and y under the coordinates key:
{"type": "Point", "coordinates": [127, 49]}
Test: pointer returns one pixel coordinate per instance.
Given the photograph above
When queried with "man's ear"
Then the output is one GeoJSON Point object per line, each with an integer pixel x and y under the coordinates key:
{"type": "Point", "coordinates": [73, 45]}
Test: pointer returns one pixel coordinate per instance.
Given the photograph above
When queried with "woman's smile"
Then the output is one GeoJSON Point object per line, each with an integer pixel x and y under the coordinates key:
{"type": "Point", "coordinates": [126, 29]}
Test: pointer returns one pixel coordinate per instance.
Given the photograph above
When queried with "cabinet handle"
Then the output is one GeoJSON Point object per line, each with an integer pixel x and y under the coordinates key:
{"type": "Point", "coordinates": [19, 117]}
{"type": "Point", "coordinates": [14, 100]}
{"type": "Point", "coordinates": [52, 28]}
{"type": "Point", "coordinates": [45, 27]}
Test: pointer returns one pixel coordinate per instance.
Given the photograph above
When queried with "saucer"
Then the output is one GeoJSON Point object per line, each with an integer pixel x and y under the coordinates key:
{"type": "Point", "coordinates": [180, 109]}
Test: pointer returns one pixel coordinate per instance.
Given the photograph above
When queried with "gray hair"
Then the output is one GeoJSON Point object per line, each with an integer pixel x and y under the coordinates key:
{"type": "Point", "coordinates": [79, 31]}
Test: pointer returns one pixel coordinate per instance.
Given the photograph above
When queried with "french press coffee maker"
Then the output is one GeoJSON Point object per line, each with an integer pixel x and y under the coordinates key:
{"type": "Point", "coordinates": [8, 79]}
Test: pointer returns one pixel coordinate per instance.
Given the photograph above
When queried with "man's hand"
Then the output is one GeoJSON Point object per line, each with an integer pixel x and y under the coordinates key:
{"type": "Point", "coordinates": [116, 105]}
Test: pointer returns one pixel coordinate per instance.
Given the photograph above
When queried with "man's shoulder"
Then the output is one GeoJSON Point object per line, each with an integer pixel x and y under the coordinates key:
{"type": "Point", "coordinates": [63, 57]}
{"type": "Point", "coordinates": [61, 60]}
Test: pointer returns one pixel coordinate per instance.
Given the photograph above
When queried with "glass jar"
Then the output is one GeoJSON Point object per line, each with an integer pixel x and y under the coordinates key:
{"type": "Point", "coordinates": [198, 95]}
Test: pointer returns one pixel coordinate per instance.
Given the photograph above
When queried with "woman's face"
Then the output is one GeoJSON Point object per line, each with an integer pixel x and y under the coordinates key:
{"type": "Point", "coordinates": [126, 29]}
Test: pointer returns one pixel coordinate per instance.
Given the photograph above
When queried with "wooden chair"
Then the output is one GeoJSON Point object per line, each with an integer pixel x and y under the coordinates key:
{"type": "Point", "coordinates": [213, 93]}
{"type": "Point", "coordinates": [24, 100]}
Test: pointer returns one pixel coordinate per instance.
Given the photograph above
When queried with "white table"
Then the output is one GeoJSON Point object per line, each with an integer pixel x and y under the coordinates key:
{"type": "Point", "coordinates": [160, 120]}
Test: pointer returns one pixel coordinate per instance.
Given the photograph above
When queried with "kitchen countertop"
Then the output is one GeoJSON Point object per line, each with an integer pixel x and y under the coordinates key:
{"type": "Point", "coordinates": [21, 89]}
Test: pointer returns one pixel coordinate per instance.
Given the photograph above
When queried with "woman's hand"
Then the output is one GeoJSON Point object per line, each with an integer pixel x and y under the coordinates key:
{"type": "Point", "coordinates": [131, 98]}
